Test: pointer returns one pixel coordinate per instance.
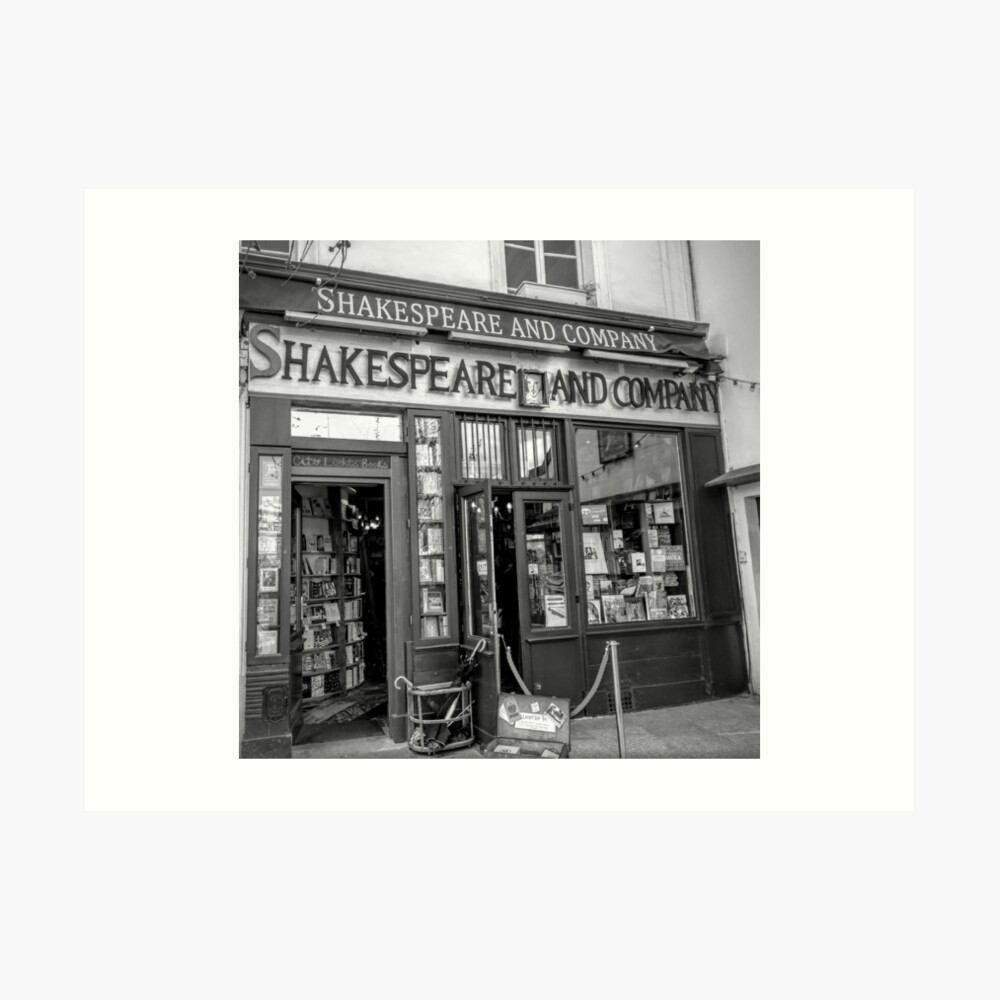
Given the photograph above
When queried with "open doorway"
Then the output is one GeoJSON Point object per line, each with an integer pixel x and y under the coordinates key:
{"type": "Point", "coordinates": [339, 577]}
{"type": "Point", "coordinates": [505, 556]}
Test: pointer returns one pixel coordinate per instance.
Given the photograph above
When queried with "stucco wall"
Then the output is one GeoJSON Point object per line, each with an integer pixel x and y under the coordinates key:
{"type": "Point", "coordinates": [451, 262]}
{"type": "Point", "coordinates": [647, 276]}
{"type": "Point", "coordinates": [727, 288]}
{"type": "Point", "coordinates": [642, 276]}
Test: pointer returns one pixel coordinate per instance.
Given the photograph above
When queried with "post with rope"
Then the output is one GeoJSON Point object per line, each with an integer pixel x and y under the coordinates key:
{"type": "Point", "coordinates": [610, 649]}
{"type": "Point", "coordinates": [618, 698]}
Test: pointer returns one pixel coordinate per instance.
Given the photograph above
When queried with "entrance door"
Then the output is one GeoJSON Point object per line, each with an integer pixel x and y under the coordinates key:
{"type": "Point", "coordinates": [477, 601]}
{"type": "Point", "coordinates": [549, 600]}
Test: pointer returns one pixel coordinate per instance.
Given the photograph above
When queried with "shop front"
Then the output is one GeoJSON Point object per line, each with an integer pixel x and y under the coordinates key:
{"type": "Point", "coordinates": [428, 467]}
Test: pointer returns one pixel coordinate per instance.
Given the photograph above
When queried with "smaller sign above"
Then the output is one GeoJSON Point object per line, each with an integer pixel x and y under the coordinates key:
{"type": "Point", "coordinates": [310, 460]}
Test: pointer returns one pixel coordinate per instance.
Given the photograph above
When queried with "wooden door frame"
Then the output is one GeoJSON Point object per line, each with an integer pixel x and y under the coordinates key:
{"type": "Point", "coordinates": [490, 655]}
{"type": "Point", "coordinates": [529, 636]}
{"type": "Point", "coordinates": [397, 597]}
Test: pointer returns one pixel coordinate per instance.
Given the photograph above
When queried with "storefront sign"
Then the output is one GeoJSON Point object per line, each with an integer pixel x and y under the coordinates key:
{"type": "Point", "coordinates": [505, 325]}
{"type": "Point", "coordinates": [307, 459]}
{"type": "Point", "coordinates": [283, 355]}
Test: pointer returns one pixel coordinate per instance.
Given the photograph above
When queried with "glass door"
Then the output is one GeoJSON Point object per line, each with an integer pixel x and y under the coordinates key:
{"type": "Point", "coordinates": [477, 600]}
{"type": "Point", "coordinates": [548, 595]}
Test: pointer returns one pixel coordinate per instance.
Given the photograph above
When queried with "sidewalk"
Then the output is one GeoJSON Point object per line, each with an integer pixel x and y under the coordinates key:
{"type": "Point", "coordinates": [728, 727]}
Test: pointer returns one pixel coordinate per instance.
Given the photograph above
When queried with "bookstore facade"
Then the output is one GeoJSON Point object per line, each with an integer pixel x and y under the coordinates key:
{"type": "Point", "coordinates": [428, 466]}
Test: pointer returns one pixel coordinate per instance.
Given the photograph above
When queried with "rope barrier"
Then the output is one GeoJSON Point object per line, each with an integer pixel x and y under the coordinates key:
{"type": "Point", "coordinates": [586, 698]}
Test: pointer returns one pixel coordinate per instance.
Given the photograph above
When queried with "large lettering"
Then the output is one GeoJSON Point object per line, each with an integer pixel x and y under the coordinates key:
{"type": "Point", "coordinates": [372, 368]}
{"type": "Point", "coordinates": [273, 357]}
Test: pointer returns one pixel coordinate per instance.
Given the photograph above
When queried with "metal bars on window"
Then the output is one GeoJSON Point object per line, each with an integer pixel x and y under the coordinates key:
{"type": "Point", "coordinates": [484, 447]}
{"type": "Point", "coordinates": [539, 458]}
{"type": "Point", "coordinates": [527, 450]}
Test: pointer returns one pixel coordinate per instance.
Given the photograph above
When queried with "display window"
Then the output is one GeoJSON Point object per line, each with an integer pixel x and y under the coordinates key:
{"type": "Point", "coordinates": [269, 524]}
{"type": "Point", "coordinates": [433, 608]}
{"type": "Point", "coordinates": [635, 538]}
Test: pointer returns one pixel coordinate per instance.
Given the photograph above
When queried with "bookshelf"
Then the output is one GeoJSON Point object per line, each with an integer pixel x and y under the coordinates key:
{"type": "Point", "coordinates": [328, 633]}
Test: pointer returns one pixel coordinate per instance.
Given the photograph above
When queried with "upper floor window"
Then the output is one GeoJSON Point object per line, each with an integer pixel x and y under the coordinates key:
{"type": "Point", "coordinates": [546, 262]}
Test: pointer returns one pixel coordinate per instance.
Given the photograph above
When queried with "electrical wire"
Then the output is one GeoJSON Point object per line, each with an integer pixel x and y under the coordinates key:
{"type": "Point", "coordinates": [298, 263]}
{"type": "Point", "coordinates": [342, 247]}
{"type": "Point", "coordinates": [246, 253]}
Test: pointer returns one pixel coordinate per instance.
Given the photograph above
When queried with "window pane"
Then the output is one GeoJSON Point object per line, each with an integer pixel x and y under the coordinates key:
{"type": "Point", "coordinates": [476, 575]}
{"type": "Point", "coordinates": [536, 453]}
{"type": "Point", "coordinates": [347, 426]}
{"type": "Point", "coordinates": [560, 246]}
{"type": "Point", "coordinates": [520, 266]}
{"type": "Point", "coordinates": [560, 271]}
{"type": "Point", "coordinates": [268, 553]}
{"type": "Point", "coordinates": [430, 528]}
{"type": "Point", "coordinates": [482, 448]}
{"type": "Point", "coordinates": [530, 244]}
{"type": "Point", "coordinates": [635, 544]}
{"type": "Point", "coordinates": [546, 579]}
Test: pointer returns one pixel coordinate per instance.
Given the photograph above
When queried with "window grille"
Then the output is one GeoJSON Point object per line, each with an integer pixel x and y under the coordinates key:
{"type": "Point", "coordinates": [539, 451]}
{"type": "Point", "coordinates": [484, 448]}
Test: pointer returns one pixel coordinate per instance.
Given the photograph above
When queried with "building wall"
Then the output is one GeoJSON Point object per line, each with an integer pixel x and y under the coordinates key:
{"type": "Point", "coordinates": [639, 276]}
{"type": "Point", "coordinates": [450, 262]}
{"type": "Point", "coordinates": [727, 290]}
{"type": "Point", "coordinates": [726, 277]}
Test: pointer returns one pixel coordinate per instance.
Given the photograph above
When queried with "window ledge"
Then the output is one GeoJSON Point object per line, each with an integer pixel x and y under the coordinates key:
{"type": "Point", "coordinates": [553, 293]}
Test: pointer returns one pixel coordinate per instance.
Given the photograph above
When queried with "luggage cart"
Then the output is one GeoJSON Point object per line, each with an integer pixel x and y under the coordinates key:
{"type": "Point", "coordinates": [429, 733]}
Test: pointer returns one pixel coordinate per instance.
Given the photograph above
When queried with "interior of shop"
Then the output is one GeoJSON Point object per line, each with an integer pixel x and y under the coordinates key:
{"type": "Point", "coordinates": [338, 611]}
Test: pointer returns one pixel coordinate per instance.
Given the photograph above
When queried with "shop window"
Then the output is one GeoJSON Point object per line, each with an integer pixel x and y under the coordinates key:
{"type": "Point", "coordinates": [539, 458]}
{"type": "Point", "coordinates": [269, 513]}
{"type": "Point", "coordinates": [355, 426]}
{"type": "Point", "coordinates": [547, 262]}
{"type": "Point", "coordinates": [484, 448]}
{"type": "Point", "coordinates": [430, 528]}
{"type": "Point", "coordinates": [636, 544]}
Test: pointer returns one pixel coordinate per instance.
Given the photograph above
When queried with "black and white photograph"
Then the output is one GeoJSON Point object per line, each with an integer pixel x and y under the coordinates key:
{"type": "Point", "coordinates": [466, 401]}
{"type": "Point", "coordinates": [534, 466]}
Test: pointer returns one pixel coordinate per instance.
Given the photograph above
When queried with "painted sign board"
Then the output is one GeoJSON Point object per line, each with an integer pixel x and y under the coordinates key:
{"type": "Point", "coordinates": [325, 461]}
{"type": "Point", "coordinates": [354, 367]}
{"type": "Point", "coordinates": [323, 302]}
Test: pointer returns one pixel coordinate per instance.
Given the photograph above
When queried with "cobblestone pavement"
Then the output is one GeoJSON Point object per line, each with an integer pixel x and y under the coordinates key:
{"type": "Point", "coordinates": [727, 727]}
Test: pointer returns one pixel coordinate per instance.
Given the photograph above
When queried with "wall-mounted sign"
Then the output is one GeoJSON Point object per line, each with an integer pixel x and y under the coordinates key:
{"type": "Point", "coordinates": [320, 360]}
{"type": "Point", "coordinates": [303, 459]}
{"type": "Point", "coordinates": [686, 338]}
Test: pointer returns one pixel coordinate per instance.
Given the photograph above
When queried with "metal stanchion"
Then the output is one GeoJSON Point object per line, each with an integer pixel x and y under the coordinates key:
{"type": "Point", "coordinates": [618, 698]}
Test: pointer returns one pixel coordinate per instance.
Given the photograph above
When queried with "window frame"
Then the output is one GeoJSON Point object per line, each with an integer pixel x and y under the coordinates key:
{"type": "Point", "coordinates": [691, 519]}
{"type": "Point", "coordinates": [540, 255]}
